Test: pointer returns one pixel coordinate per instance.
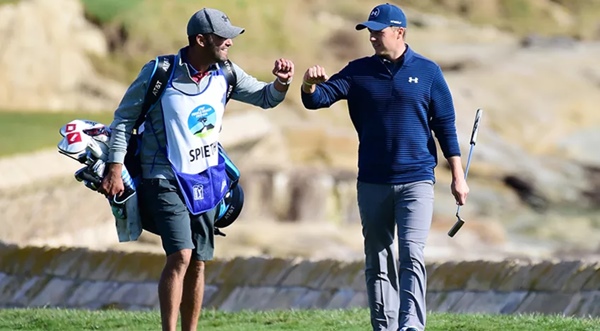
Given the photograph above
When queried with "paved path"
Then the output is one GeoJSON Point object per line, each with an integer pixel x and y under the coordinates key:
{"type": "Point", "coordinates": [26, 169]}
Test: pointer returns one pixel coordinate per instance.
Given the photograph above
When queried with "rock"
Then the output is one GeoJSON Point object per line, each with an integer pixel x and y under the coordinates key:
{"type": "Point", "coordinates": [581, 145]}
{"type": "Point", "coordinates": [534, 40]}
{"type": "Point", "coordinates": [245, 128]}
{"type": "Point", "coordinates": [535, 156]}
{"type": "Point", "coordinates": [47, 44]}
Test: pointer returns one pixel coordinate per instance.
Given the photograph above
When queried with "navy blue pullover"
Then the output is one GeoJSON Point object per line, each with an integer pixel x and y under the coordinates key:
{"type": "Point", "coordinates": [394, 115]}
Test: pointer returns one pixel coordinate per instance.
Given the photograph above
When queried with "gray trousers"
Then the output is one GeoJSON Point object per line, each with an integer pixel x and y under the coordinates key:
{"type": "Point", "coordinates": [396, 295]}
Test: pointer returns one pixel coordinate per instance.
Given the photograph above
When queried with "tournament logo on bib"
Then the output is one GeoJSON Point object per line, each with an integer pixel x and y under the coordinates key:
{"type": "Point", "coordinates": [202, 120]}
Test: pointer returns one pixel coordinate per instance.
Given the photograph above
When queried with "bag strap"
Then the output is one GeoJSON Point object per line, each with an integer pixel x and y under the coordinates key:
{"type": "Point", "coordinates": [230, 76]}
{"type": "Point", "coordinates": [163, 67]}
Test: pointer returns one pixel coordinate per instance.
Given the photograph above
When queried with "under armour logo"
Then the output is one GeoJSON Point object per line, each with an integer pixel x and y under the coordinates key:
{"type": "Point", "coordinates": [225, 18]}
{"type": "Point", "coordinates": [413, 80]}
{"type": "Point", "coordinates": [375, 12]}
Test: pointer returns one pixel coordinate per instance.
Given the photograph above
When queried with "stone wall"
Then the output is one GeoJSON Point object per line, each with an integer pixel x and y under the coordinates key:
{"type": "Point", "coordinates": [80, 278]}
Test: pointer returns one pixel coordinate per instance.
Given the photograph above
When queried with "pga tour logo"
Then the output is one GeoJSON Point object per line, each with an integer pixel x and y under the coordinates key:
{"type": "Point", "coordinates": [198, 192]}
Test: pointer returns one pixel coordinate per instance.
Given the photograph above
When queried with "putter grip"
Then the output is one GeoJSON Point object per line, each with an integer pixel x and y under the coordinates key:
{"type": "Point", "coordinates": [84, 175]}
{"type": "Point", "coordinates": [455, 228]}
{"type": "Point", "coordinates": [475, 127]}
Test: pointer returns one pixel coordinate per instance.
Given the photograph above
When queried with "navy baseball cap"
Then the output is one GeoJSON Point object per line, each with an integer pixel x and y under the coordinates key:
{"type": "Point", "coordinates": [383, 16]}
{"type": "Point", "coordinates": [209, 20]}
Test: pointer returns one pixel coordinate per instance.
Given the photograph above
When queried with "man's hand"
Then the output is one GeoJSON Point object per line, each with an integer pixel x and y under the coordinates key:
{"type": "Point", "coordinates": [459, 186]}
{"type": "Point", "coordinates": [460, 190]}
{"type": "Point", "coordinates": [283, 69]}
{"type": "Point", "coordinates": [313, 75]}
{"type": "Point", "coordinates": [112, 183]}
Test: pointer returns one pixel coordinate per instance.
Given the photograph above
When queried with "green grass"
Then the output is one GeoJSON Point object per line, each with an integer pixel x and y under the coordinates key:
{"type": "Point", "coordinates": [23, 132]}
{"type": "Point", "coordinates": [105, 11]}
{"type": "Point", "coordinates": [305, 320]}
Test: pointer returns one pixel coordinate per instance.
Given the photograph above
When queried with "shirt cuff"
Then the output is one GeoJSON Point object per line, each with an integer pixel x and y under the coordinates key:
{"type": "Point", "coordinates": [277, 95]}
{"type": "Point", "coordinates": [116, 157]}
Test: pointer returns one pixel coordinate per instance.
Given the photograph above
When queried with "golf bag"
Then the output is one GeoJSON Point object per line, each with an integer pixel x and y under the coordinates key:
{"type": "Point", "coordinates": [87, 142]}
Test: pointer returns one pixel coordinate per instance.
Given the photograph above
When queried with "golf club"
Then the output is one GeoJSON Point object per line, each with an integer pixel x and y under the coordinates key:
{"type": "Point", "coordinates": [460, 222]}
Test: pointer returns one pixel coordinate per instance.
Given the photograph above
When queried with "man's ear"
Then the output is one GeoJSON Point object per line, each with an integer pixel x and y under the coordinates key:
{"type": "Point", "coordinates": [400, 32]}
{"type": "Point", "coordinates": [200, 40]}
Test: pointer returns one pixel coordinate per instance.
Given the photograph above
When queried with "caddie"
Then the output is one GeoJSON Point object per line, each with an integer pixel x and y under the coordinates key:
{"type": "Point", "coordinates": [183, 176]}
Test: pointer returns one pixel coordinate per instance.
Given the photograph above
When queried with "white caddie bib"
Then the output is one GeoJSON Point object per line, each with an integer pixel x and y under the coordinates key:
{"type": "Point", "coordinates": [192, 125]}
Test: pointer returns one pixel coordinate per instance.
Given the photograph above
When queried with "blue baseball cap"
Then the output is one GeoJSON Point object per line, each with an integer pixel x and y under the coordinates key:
{"type": "Point", "coordinates": [383, 16]}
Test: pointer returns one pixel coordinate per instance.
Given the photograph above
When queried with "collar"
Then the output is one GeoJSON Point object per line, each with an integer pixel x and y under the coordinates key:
{"type": "Point", "coordinates": [193, 72]}
{"type": "Point", "coordinates": [405, 58]}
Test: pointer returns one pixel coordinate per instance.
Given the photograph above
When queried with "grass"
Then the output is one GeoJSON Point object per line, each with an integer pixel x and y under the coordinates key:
{"type": "Point", "coordinates": [23, 132]}
{"type": "Point", "coordinates": [106, 11]}
{"type": "Point", "coordinates": [303, 320]}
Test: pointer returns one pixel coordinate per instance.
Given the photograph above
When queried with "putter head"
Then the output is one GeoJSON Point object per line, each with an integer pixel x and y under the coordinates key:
{"type": "Point", "coordinates": [459, 223]}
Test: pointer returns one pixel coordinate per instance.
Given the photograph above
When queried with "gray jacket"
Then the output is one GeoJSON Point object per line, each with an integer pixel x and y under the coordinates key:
{"type": "Point", "coordinates": [154, 162]}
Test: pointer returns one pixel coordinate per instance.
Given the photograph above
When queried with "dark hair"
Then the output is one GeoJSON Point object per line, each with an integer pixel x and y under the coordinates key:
{"type": "Point", "coordinates": [192, 40]}
{"type": "Point", "coordinates": [207, 39]}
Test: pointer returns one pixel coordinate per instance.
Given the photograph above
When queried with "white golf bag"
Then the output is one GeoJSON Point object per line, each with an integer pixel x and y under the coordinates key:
{"type": "Point", "coordinates": [87, 142]}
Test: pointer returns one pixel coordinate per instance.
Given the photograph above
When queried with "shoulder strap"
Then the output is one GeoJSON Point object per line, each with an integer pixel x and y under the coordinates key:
{"type": "Point", "coordinates": [163, 67]}
{"type": "Point", "coordinates": [230, 76]}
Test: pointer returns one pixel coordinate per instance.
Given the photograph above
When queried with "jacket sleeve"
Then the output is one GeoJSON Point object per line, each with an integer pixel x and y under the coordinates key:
{"type": "Point", "coordinates": [329, 92]}
{"type": "Point", "coordinates": [127, 113]}
{"type": "Point", "coordinates": [252, 91]}
{"type": "Point", "coordinates": [443, 116]}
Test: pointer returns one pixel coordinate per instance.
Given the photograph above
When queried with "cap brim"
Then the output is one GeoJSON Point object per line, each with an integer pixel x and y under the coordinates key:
{"type": "Point", "coordinates": [231, 33]}
{"type": "Point", "coordinates": [375, 26]}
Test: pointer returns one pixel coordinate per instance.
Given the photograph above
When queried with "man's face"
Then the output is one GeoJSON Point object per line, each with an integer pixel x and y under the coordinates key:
{"type": "Point", "coordinates": [217, 47]}
{"type": "Point", "coordinates": [387, 40]}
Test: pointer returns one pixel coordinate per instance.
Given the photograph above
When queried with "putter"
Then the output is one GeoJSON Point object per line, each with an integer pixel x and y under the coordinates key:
{"type": "Point", "coordinates": [460, 222]}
